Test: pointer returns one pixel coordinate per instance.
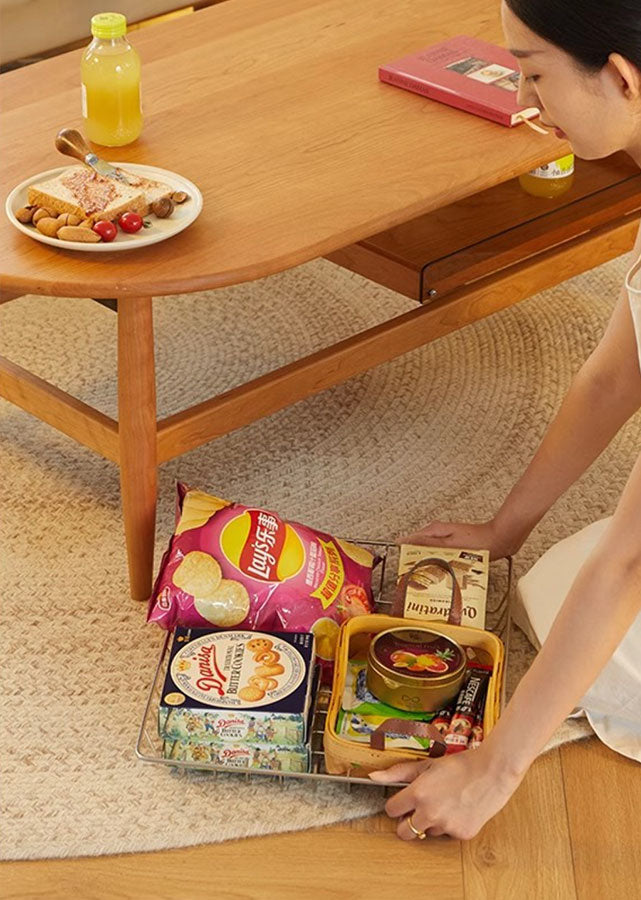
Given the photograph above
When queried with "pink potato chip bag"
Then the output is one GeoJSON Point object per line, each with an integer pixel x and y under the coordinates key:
{"type": "Point", "coordinates": [230, 565]}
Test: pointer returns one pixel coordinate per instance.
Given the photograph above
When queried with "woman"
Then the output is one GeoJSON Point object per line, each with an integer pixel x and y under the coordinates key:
{"type": "Point", "coordinates": [581, 65]}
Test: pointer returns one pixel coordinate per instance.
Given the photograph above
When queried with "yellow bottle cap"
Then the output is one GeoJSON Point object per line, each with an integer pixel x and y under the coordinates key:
{"type": "Point", "coordinates": [566, 162]}
{"type": "Point", "coordinates": [109, 25]}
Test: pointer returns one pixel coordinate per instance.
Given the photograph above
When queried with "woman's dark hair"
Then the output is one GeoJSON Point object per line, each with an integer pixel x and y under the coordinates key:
{"type": "Point", "coordinates": [589, 30]}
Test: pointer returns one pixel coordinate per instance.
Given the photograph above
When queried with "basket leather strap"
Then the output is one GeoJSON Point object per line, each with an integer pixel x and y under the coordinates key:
{"type": "Point", "coordinates": [456, 603]}
{"type": "Point", "coordinates": [409, 727]}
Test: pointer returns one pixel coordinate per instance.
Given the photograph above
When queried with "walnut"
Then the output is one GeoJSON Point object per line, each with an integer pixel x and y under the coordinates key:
{"type": "Point", "coordinates": [163, 207]}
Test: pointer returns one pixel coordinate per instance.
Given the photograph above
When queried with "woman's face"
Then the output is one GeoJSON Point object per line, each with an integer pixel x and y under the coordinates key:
{"type": "Point", "coordinates": [599, 114]}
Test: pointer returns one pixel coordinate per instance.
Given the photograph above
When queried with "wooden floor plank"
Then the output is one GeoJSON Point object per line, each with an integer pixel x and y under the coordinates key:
{"type": "Point", "coordinates": [525, 850]}
{"type": "Point", "coordinates": [603, 792]}
{"type": "Point", "coordinates": [315, 865]}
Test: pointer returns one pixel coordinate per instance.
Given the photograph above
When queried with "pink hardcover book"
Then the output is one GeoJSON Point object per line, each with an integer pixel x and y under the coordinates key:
{"type": "Point", "coordinates": [464, 72]}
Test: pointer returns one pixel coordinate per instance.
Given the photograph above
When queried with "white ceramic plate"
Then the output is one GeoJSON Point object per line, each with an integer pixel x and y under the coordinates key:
{"type": "Point", "coordinates": [160, 229]}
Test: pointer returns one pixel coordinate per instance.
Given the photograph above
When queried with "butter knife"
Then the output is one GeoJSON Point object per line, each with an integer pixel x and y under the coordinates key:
{"type": "Point", "coordinates": [71, 143]}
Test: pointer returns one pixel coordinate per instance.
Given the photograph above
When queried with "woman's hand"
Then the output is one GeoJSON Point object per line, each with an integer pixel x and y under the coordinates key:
{"type": "Point", "coordinates": [453, 795]}
{"type": "Point", "coordinates": [483, 536]}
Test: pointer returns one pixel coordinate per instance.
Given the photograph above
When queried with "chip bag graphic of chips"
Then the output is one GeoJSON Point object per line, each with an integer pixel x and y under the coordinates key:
{"type": "Point", "coordinates": [230, 565]}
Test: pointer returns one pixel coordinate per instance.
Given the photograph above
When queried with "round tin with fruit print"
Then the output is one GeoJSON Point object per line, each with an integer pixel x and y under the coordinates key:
{"type": "Point", "coordinates": [415, 669]}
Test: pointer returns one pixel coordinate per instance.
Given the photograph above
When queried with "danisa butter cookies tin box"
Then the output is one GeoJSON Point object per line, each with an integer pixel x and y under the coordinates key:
{"type": "Point", "coordinates": [246, 687]}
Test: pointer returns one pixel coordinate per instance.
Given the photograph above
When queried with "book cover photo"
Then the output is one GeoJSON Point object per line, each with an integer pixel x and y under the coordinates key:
{"type": "Point", "coordinates": [465, 73]}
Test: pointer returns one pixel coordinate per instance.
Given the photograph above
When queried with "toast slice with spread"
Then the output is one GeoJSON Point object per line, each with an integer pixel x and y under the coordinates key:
{"type": "Point", "coordinates": [82, 192]}
{"type": "Point", "coordinates": [153, 190]}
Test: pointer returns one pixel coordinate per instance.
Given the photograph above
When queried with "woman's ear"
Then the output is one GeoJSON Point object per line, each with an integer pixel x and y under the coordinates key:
{"type": "Point", "coordinates": [629, 75]}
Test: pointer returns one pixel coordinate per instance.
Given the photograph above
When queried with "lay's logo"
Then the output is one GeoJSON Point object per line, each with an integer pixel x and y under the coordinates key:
{"type": "Point", "coordinates": [262, 546]}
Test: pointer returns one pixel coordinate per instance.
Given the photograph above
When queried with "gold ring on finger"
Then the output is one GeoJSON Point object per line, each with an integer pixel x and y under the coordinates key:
{"type": "Point", "coordinates": [421, 835]}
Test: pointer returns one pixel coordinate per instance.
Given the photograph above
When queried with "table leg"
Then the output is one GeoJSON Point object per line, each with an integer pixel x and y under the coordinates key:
{"type": "Point", "coordinates": [137, 438]}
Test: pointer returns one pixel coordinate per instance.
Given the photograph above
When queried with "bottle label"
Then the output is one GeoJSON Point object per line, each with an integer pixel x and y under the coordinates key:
{"type": "Point", "coordinates": [83, 94]}
{"type": "Point", "coordinates": [560, 168]}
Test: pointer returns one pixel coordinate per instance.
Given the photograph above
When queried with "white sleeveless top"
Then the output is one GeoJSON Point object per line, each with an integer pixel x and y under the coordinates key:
{"type": "Point", "coordinates": [633, 287]}
{"type": "Point", "coordinates": [635, 307]}
{"type": "Point", "coordinates": [613, 703]}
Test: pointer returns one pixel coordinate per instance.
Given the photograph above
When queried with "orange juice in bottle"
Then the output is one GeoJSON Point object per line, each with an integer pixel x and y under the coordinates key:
{"type": "Point", "coordinates": [551, 180]}
{"type": "Point", "coordinates": [110, 71]}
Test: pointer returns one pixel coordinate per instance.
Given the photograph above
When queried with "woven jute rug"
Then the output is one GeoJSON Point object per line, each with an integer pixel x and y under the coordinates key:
{"type": "Point", "coordinates": [442, 432]}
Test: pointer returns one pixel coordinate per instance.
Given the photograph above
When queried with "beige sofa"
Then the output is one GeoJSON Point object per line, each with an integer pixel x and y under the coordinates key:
{"type": "Point", "coordinates": [30, 28]}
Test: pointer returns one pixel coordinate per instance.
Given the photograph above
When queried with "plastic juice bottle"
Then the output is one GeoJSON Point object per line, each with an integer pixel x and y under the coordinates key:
{"type": "Point", "coordinates": [110, 72]}
{"type": "Point", "coordinates": [550, 180]}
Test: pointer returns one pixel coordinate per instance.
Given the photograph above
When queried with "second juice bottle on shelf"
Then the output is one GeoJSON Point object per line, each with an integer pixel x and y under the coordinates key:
{"type": "Point", "coordinates": [551, 180]}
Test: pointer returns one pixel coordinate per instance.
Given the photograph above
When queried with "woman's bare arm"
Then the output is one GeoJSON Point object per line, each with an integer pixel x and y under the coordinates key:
{"type": "Point", "coordinates": [457, 794]}
{"type": "Point", "coordinates": [604, 394]}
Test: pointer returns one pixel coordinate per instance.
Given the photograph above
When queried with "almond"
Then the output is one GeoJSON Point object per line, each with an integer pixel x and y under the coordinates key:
{"type": "Point", "coordinates": [68, 219]}
{"type": "Point", "coordinates": [47, 225]}
{"type": "Point", "coordinates": [43, 213]}
{"type": "Point", "coordinates": [25, 214]}
{"type": "Point", "coordinates": [78, 233]}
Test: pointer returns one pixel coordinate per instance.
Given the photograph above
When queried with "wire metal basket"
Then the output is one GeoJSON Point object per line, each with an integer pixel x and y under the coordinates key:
{"type": "Point", "coordinates": [149, 746]}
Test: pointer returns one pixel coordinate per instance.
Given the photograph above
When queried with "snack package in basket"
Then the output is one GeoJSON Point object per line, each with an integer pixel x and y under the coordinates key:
{"type": "Point", "coordinates": [230, 565]}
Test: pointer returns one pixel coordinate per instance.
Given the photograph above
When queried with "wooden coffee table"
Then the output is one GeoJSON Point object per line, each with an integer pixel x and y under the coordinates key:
{"type": "Point", "coordinates": [274, 110]}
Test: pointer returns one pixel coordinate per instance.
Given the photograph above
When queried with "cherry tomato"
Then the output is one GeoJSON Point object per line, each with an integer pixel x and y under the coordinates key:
{"type": "Point", "coordinates": [106, 230]}
{"type": "Point", "coordinates": [130, 222]}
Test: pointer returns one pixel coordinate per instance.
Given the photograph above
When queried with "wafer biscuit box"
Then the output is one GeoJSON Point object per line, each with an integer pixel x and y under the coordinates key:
{"type": "Point", "coordinates": [238, 755]}
{"type": "Point", "coordinates": [247, 687]}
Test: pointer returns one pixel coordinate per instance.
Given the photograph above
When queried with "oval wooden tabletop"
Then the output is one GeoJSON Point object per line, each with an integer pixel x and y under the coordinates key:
{"type": "Point", "coordinates": [275, 111]}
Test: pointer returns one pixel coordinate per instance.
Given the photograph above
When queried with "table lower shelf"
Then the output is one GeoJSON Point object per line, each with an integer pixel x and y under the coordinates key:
{"type": "Point", "coordinates": [503, 228]}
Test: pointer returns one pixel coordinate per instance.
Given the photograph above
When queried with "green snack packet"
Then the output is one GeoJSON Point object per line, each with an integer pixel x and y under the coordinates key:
{"type": "Point", "coordinates": [358, 699]}
{"type": "Point", "coordinates": [361, 713]}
